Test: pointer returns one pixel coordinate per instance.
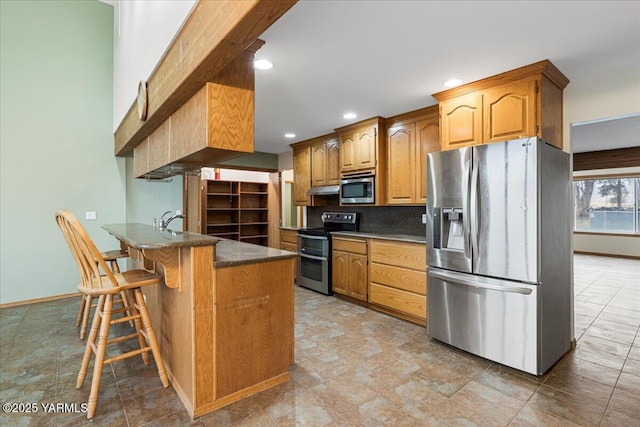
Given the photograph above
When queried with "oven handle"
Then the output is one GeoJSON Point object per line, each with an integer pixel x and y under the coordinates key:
{"type": "Point", "coordinates": [319, 258]}
{"type": "Point", "coordinates": [304, 236]}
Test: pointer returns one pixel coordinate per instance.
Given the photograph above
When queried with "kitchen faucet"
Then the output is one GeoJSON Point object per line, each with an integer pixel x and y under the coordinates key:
{"type": "Point", "coordinates": [164, 224]}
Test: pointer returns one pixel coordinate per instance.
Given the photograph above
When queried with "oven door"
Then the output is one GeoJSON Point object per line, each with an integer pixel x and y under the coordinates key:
{"type": "Point", "coordinates": [313, 273]}
{"type": "Point", "coordinates": [313, 263]}
{"type": "Point", "coordinates": [317, 246]}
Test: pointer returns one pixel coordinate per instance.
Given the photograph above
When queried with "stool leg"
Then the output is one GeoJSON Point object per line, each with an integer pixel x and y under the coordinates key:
{"type": "Point", "coordinates": [88, 300]}
{"type": "Point", "coordinates": [80, 311]}
{"type": "Point", "coordinates": [123, 296]}
{"type": "Point", "coordinates": [100, 353]}
{"type": "Point", "coordinates": [138, 327]}
{"type": "Point", "coordinates": [127, 306]}
{"type": "Point", "coordinates": [115, 268]}
{"type": "Point", "coordinates": [93, 333]}
{"type": "Point", "coordinates": [146, 322]}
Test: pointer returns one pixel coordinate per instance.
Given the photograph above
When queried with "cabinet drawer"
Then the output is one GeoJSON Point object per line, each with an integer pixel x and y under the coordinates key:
{"type": "Point", "coordinates": [399, 278]}
{"type": "Point", "coordinates": [355, 246]}
{"type": "Point", "coordinates": [403, 301]}
{"type": "Point", "coordinates": [289, 236]}
{"type": "Point", "coordinates": [408, 255]}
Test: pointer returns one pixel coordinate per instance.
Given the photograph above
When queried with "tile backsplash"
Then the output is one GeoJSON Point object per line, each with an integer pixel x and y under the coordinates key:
{"type": "Point", "coordinates": [377, 219]}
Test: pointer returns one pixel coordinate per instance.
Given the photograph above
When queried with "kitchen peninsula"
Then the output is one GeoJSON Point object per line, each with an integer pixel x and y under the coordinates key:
{"type": "Point", "coordinates": [225, 317]}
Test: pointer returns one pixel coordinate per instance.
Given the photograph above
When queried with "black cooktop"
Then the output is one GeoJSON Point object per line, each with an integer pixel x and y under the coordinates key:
{"type": "Point", "coordinates": [333, 221]}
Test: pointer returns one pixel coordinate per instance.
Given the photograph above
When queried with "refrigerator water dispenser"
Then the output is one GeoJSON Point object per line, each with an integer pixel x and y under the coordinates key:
{"type": "Point", "coordinates": [448, 229]}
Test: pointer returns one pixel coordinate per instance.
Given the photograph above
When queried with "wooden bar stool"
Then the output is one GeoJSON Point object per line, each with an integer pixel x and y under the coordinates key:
{"type": "Point", "coordinates": [105, 287]}
{"type": "Point", "coordinates": [86, 301]}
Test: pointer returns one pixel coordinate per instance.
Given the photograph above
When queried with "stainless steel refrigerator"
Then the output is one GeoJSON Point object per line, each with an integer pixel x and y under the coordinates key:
{"type": "Point", "coordinates": [499, 252]}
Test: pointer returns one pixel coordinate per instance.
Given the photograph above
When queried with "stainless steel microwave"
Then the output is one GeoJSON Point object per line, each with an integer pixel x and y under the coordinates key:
{"type": "Point", "coordinates": [357, 189]}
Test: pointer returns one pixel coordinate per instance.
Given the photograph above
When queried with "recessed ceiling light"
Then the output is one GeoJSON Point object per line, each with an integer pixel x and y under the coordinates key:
{"type": "Point", "coordinates": [263, 64]}
{"type": "Point", "coordinates": [350, 115]}
{"type": "Point", "coordinates": [452, 83]}
{"type": "Point", "coordinates": [289, 135]}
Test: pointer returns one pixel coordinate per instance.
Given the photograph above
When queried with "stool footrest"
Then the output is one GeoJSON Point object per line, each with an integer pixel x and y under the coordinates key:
{"type": "Point", "coordinates": [127, 355]}
{"type": "Point", "coordinates": [124, 318]}
{"type": "Point", "coordinates": [122, 338]}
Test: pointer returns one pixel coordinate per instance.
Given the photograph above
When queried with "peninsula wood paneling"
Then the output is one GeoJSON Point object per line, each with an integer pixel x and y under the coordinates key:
{"type": "Point", "coordinates": [213, 35]}
{"type": "Point", "coordinates": [247, 333]}
{"type": "Point", "coordinates": [189, 130]}
{"type": "Point", "coordinates": [141, 158]}
{"type": "Point", "coordinates": [159, 146]}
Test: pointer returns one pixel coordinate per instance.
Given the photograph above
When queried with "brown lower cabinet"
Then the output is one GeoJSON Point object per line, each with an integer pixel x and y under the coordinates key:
{"type": "Point", "coordinates": [388, 275]}
{"type": "Point", "coordinates": [398, 278]}
{"type": "Point", "coordinates": [349, 267]}
{"type": "Point", "coordinates": [289, 240]}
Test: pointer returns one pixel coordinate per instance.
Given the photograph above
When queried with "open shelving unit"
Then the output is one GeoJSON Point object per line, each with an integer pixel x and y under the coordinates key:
{"type": "Point", "coordinates": [236, 210]}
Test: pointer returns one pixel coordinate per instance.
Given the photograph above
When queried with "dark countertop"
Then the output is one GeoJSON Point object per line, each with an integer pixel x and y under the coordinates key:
{"type": "Point", "coordinates": [292, 228]}
{"type": "Point", "coordinates": [230, 253]}
{"type": "Point", "coordinates": [409, 238]}
{"type": "Point", "coordinates": [143, 236]}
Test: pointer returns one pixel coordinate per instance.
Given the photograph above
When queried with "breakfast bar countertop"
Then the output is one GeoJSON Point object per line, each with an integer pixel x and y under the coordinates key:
{"type": "Point", "coordinates": [232, 253]}
{"type": "Point", "coordinates": [143, 236]}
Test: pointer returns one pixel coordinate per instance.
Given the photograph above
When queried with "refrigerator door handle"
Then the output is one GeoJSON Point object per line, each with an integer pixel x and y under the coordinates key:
{"type": "Point", "coordinates": [473, 196]}
{"type": "Point", "coordinates": [466, 218]}
{"type": "Point", "coordinates": [460, 279]}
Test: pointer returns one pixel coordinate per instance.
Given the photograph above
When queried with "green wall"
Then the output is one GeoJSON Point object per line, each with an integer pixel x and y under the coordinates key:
{"type": "Point", "coordinates": [56, 140]}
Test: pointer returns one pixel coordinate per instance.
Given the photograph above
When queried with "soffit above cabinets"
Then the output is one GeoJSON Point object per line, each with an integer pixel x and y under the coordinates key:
{"type": "Point", "coordinates": [606, 134]}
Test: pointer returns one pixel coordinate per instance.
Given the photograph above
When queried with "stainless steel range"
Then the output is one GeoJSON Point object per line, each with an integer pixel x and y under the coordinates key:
{"type": "Point", "coordinates": [314, 250]}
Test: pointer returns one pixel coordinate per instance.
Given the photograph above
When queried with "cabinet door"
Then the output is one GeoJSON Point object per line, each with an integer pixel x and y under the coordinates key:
{"type": "Point", "coordinates": [333, 162]}
{"type": "Point", "coordinates": [302, 176]}
{"type": "Point", "coordinates": [340, 272]}
{"type": "Point", "coordinates": [510, 111]}
{"type": "Point", "coordinates": [427, 141]}
{"type": "Point", "coordinates": [365, 156]}
{"type": "Point", "coordinates": [358, 276]}
{"type": "Point", "coordinates": [461, 121]}
{"type": "Point", "coordinates": [401, 181]}
{"type": "Point", "coordinates": [318, 164]}
{"type": "Point", "coordinates": [347, 151]}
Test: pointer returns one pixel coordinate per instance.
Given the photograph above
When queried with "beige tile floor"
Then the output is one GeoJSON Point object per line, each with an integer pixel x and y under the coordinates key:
{"type": "Point", "coordinates": [356, 367]}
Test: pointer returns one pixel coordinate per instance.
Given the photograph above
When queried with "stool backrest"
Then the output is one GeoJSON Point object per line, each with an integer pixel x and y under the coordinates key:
{"type": "Point", "coordinates": [84, 251]}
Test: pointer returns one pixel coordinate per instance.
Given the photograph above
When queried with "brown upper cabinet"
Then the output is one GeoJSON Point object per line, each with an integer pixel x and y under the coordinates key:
{"type": "Point", "coordinates": [410, 137]}
{"type": "Point", "coordinates": [524, 102]}
{"type": "Point", "coordinates": [359, 147]}
{"type": "Point", "coordinates": [325, 161]}
{"type": "Point", "coordinates": [362, 150]}
{"type": "Point", "coordinates": [315, 163]}
{"type": "Point", "coordinates": [301, 174]}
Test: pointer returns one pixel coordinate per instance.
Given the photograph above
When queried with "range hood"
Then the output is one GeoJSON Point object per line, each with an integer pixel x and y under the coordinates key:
{"type": "Point", "coordinates": [326, 190]}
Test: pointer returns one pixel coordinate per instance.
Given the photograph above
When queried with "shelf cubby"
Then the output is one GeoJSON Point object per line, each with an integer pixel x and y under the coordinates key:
{"type": "Point", "coordinates": [236, 210]}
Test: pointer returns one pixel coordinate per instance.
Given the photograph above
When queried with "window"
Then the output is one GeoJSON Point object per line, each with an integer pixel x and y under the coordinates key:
{"type": "Point", "coordinates": [607, 205]}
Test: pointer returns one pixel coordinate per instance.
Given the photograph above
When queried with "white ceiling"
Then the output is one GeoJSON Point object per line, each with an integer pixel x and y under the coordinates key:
{"type": "Point", "coordinates": [381, 58]}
